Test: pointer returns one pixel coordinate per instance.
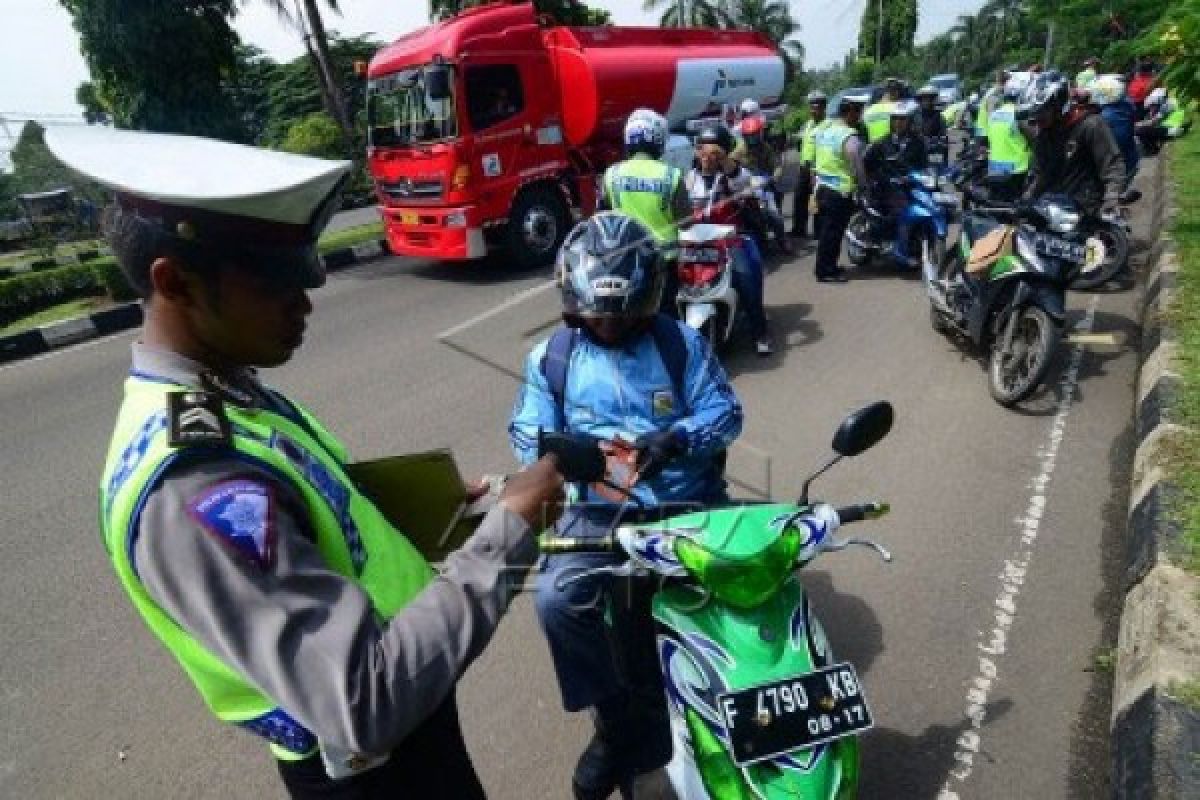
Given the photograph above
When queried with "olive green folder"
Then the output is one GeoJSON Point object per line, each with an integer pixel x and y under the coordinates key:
{"type": "Point", "coordinates": [423, 496]}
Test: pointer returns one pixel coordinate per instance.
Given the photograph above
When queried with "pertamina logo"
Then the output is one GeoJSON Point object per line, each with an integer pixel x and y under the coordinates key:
{"type": "Point", "coordinates": [726, 83]}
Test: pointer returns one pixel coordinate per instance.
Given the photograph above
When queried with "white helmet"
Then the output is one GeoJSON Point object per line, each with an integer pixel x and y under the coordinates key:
{"type": "Point", "coordinates": [1016, 85]}
{"type": "Point", "coordinates": [750, 107]}
{"type": "Point", "coordinates": [904, 108]}
{"type": "Point", "coordinates": [646, 132]}
{"type": "Point", "coordinates": [1108, 89]}
{"type": "Point", "coordinates": [1154, 98]}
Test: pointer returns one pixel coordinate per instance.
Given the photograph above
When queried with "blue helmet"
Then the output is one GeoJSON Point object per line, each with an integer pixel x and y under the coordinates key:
{"type": "Point", "coordinates": [610, 266]}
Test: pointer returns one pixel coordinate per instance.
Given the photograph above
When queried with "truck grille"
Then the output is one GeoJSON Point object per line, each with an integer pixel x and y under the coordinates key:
{"type": "Point", "coordinates": [408, 190]}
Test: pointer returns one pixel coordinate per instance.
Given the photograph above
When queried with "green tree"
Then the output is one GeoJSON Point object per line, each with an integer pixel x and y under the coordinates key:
{"type": "Point", "coordinates": [1173, 42]}
{"type": "Point", "coordinates": [94, 112]}
{"type": "Point", "coordinates": [563, 12]}
{"type": "Point", "coordinates": [159, 66]}
{"type": "Point", "coordinates": [35, 169]}
{"type": "Point", "coordinates": [314, 135]}
{"type": "Point", "coordinates": [771, 18]}
{"type": "Point", "coordinates": [898, 31]}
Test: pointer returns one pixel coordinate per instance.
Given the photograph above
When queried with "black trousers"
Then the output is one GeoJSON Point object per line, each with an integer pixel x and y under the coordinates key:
{"type": "Point", "coordinates": [800, 204]}
{"type": "Point", "coordinates": [431, 762]}
{"type": "Point", "coordinates": [835, 210]}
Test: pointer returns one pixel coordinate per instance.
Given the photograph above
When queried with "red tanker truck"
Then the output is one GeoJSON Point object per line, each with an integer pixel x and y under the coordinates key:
{"type": "Point", "coordinates": [490, 129]}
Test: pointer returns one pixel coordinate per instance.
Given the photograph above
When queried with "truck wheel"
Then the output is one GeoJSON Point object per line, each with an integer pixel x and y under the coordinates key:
{"type": "Point", "coordinates": [536, 227]}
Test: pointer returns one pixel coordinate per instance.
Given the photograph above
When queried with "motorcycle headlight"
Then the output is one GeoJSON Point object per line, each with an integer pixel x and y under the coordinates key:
{"type": "Point", "coordinates": [744, 582]}
{"type": "Point", "coordinates": [929, 182]}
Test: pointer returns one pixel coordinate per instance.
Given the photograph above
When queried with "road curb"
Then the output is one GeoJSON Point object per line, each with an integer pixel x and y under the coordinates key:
{"type": "Point", "coordinates": [129, 315]}
{"type": "Point", "coordinates": [1155, 736]}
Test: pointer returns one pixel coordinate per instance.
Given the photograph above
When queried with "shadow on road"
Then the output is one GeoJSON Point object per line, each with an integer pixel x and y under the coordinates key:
{"type": "Point", "coordinates": [850, 623]}
{"type": "Point", "coordinates": [896, 764]}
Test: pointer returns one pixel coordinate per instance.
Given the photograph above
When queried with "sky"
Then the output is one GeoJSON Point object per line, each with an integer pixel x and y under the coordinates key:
{"type": "Point", "coordinates": [40, 63]}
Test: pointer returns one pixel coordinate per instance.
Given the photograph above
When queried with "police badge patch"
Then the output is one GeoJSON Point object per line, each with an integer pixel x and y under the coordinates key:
{"type": "Point", "coordinates": [663, 403]}
{"type": "Point", "coordinates": [239, 514]}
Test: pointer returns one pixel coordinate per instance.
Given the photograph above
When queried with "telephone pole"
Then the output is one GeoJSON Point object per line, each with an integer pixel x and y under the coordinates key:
{"type": "Point", "coordinates": [879, 42]}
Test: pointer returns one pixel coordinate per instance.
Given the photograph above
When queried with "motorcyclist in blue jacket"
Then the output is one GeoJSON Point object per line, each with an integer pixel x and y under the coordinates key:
{"type": "Point", "coordinates": [1108, 94]}
{"type": "Point", "coordinates": [634, 375]}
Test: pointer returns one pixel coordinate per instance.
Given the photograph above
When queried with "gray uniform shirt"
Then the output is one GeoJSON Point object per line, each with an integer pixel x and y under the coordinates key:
{"type": "Point", "coordinates": [303, 634]}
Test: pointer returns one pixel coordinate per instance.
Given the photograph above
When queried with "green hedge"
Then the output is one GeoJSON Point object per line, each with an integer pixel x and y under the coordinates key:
{"type": "Point", "coordinates": [31, 292]}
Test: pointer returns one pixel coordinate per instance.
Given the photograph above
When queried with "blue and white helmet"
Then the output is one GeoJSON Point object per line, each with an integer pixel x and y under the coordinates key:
{"type": "Point", "coordinates": [646, 132]}
{"type": "Point", "coordinates": [610, 266]}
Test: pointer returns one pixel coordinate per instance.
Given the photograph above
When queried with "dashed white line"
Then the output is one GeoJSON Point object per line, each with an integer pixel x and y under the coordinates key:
{"type": "Point", "coordinates": [994, 643]}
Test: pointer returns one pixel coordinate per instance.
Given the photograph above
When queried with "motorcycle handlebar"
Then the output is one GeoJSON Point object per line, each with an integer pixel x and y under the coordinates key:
{"type": "Point", "coordinates": [862, 511]}
{"type": "Point", "coordinates": [558, 545]}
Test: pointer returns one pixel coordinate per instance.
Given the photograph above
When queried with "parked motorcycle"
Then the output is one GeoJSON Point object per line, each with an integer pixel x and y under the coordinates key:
{"type": "Point", "coordinates": [1006, 294]}
{"type": "Point", "coordinates": [930, 208]}
{"type": "Point", "coordinates": [758, 706]}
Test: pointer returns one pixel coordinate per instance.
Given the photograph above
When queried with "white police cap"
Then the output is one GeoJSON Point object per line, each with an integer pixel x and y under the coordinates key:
{"type": "Point", "coordinates": [215, 194]}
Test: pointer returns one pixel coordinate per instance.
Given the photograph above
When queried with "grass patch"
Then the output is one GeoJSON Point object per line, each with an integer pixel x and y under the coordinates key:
{"type": "Point", "coordinates": [1187, 693]}
{"type": "Point", "coordinates": [1183, 455]}
{"type": "Point", "coordinates": [68, 310]}
{"type": "Point", "coordinates": [349, 237]}
{"type": "Point", "coordinates": [60, 251]}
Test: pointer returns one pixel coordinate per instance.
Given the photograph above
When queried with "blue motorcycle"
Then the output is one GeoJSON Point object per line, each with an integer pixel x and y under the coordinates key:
{"type": "Point", "coordinates": [915, 237]}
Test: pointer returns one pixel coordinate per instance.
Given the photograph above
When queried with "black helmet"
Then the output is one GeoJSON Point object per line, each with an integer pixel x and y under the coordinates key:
{"type": "Point", "coordinates": [610, 266]}
{"type": "Point", "coordinates": [1044, 91]}
{"type": "Point", "coordinates": [718, 135]}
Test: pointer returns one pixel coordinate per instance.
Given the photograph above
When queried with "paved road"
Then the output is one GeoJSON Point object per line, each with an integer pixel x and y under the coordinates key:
{"type": "Point", "coordinates": [353, 218]}
{"type": "Point", "coordinates": [1005, 532]}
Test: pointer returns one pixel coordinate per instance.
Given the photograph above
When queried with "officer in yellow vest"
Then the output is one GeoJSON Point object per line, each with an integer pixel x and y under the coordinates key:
{"type": "Point", "coordinates": [839, 169]}
{"type": "Point", "coordinates": [877, 117]}
{"type": "Point", "coordinates": [651, 191]}
{"type": "Point", "coordinates": [817, 102]}
{"type": "Point", "coordinates": [298, 611]}
{"type": "Point", "coordinates": [988, 103]}
{"type": "Point", "coordinates": [1087, 76]}
{"type": "Point", "coordinates": [1009, 151]}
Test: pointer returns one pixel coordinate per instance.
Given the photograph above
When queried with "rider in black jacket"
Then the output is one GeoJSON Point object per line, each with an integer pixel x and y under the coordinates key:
{"type": "Point", "coordinates": [1074, 151]}
{"type": "Point", "coordinates": [929, 120]}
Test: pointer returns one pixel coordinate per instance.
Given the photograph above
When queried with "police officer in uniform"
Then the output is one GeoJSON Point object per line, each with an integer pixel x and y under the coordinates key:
{"type": "Point", "coordinates": [300, 614]}
{"type": "Point", "coordinates": [839, 168]}
{"type": "Point", "coordinates": [649, 190]}
{"type": "Point", "coordinates": [877, 117]}
{"type": "Point", "coordinates": [817, 102]}
{"type": "Point", "coordinates": [1009, 151]}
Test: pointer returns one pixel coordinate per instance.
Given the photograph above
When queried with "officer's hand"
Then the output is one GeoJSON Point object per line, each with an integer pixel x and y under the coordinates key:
{"type": "Point", "coordinates": [656, 450]}
{"type": "Point", "coordinates": [535, 493]}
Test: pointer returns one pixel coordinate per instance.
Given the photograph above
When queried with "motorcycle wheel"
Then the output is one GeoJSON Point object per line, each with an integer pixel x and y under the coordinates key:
{"type": "Point", "coordinates": [1015, 375]}
{"type": "Point", "coordinates": [1115, 242]}
{"type": "Point", "coordinates": [860, 226]}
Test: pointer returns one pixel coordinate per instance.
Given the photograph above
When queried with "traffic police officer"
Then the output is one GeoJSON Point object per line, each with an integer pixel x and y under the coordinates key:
{"type": "Point", "coordinates": [877, 117]}
{"type": "Point", "coordinates": [839, 168]}
{"type": "Point", "coordinates": [817, 102]}
{"type": "Point", "coordinates": [988, 103]}
{"type": "Point", "coordinates": [649, 190]}
{"type": "Point", "coordinates": [1086, 76]}
{"type": "Point", "coordinates": [1009, 151]}
{"type": "Point", "coordinates": [295, 607]}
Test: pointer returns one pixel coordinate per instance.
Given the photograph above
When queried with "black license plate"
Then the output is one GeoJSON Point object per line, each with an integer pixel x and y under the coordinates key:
{"type": "Point", "coordinates": [804, 711]}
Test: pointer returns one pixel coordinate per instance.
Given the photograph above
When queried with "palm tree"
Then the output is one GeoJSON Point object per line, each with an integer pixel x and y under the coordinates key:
{"type": "Point", "coordinates": [772, 18]}
{"type": "Point", "coordinates": [306, 18]}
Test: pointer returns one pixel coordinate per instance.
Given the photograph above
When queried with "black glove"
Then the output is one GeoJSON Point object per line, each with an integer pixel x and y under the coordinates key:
{"type": "Point", "coordinates": [656, 450]}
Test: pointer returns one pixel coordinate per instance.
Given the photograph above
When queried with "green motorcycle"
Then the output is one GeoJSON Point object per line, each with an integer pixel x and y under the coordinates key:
{"type": "Point", "coordinates": [758, 706]}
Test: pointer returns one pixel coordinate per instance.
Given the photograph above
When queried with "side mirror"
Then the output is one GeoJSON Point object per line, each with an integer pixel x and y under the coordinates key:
{"type": "Point", "coordinates": [437, 84]}
{"type": "Point", "coordinates": [863, 429]}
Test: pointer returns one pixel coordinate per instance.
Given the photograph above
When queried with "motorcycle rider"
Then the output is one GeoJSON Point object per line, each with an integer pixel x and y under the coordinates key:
{"type": "Point", "coordinates": [1086, 76]}
{"type": "Point", "coordinates": [1165, 118]}
{"type": "Point", "coordinates": [618, 369]}
{"type": "Point", "coordinates": [756, 155]}
{"type": "Point", "coordinates": [988, 103]}
{"type": "Point", "coordinates": [749, 109]}
{"type": "Point", "coordinates": [1108, 97]}
{"type": "Point", "coordinates": [817, 103]}
{"type": "Point", "coordinates": [1009, 151]}
{"type": "Point", "coordinates": [931, 124]}
{"type": "Point", "coordinates": [875, 118]}
{"type": "Point", "coordinates": [649, 190]}
{"type": "Point", "coordinates": [839, 169]}
{"type": "Point", "coordinates": [1074, 151]}
{"type": "Point", "coordinates": [719, 179]}
{"type": "Point", "coordinates": [889, 161]}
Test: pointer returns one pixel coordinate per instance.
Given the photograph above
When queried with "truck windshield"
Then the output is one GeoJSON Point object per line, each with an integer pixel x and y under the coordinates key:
{"type": "Point", "coordinates": [403, 108]}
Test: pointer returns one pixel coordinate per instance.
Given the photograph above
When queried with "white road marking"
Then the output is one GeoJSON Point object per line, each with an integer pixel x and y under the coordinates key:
{"type": "Point", "coordinates": [71, 349]}
{"type": "Point", "coordinates": [516, 299]}
{"type": "Point", "coordinates": [993, 643]}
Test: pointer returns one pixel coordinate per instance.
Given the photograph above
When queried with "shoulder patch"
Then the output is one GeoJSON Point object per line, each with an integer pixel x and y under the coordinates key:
{"type": "Point", "coordinates": [195, 417]}
{"type": "Point", "coordinates": [240, 514]}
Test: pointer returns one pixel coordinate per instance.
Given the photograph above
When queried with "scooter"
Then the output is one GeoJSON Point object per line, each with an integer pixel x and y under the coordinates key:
{"type": "Point", "coordinates": [758, 706]}
{"type": "Point", "coordinates": [1006, 295]}
{"type": "Point", "coordinates": [707, 299]}
{"type": "Point", "coordinates": [931, 206]}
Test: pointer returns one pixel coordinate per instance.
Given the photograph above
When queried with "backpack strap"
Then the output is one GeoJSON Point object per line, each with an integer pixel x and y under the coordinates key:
{"type": "Point", "coordinates": [554, 367]}
{"type": "Point", "coordinates": [672, 349]}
